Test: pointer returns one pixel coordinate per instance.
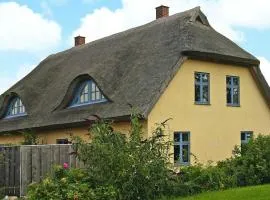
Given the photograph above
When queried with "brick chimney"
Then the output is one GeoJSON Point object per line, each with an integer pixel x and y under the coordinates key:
{"type": "Point", "coordinates": [79, 40]}
{"type": "Point", "coordinates": [162, 11]}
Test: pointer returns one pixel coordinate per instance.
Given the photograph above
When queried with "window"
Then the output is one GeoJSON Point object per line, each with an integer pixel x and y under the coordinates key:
{"type": "Point", "coordinates": [62, 141]}
{"type": "Point", "coordinates": [233, 98]}
{"type": "Point", "coordinates": [87, 93]}
{"type": "Point", "coordinates": [15, 108]}
{"type": "Point", "coordinates": [246, 136]}
{"type": "Point", "coordinates": [201, 88]}
{"type": "Point", "coordinates": [182, 148]}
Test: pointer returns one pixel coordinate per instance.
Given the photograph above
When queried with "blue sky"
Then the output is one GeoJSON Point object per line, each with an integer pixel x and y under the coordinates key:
{"type": "Point", "coordinates": [32, 30]}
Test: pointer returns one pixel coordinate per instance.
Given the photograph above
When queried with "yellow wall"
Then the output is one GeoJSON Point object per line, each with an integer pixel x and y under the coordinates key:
{"type": "Point", "coordinates": [215, 129]}
{"type": "Point", "coordinates": [50, 137]}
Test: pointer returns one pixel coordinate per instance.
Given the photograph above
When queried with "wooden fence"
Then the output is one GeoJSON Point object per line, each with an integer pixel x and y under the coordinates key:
{"type": "Point", "coordinates": [22, 165]}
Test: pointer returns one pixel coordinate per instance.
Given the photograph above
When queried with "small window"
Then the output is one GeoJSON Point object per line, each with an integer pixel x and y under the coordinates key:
{"type": "Point", "coordinates": [246, 136]}
{"type": "Point", "coordinates": [233, 92]}
{"type": "Point", "coordinates": [87, 93]}
{"type": "Point", "coordinates": [62, 141]}
{"type": "Point", "coordinates": [201, 88]}
{"type": "Point", "coordinates": [15, 108]}
{"type": "Point", "coordinates": [182, 148]}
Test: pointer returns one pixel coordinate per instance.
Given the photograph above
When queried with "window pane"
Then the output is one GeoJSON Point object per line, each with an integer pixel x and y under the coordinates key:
{"type": "Point", "coordinates": [93, 87]}
{"type": "Point", "coordinates": [98, 95]}
{"type": "Point", "coordinates": [197, 93]}
{"type": "Point", "coordinates": [185, 137]}
{"type": "Point", "coordinates": [235, 95]}
{"type": "Point", "coordinates": [82, 98]}
{"type": "Point", "coordinates": [86, 99]}
{"type": "Point", "coordinates": [205, 93]}
{"type": "Point", "coordinates": [176, 137]}
{"type": "Point", "coordinates": [205, 77]}
{"type": "Point", "coordinates": [228, 80]}
{"type": "Point", "coordinates": [185, 153]}
{"type": "Point", "coordinates": [93, 97]}
{"type": "Point", "coordinates": [229, 97]}
{"type": "Point", "coordinates": [197, 77]}
{"type": "Point", "coordinates": [243, 136]}
{"type": "Point", "coordinates": [235, 81]}
{"type": "Point", "coordinates": [86, 89]}
{"type": "Point", "coordinates": [176, 153]}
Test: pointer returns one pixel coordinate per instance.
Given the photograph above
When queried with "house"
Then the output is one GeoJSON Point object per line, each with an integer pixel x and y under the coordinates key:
{"type": "Point", "coordinates": [175, 67]}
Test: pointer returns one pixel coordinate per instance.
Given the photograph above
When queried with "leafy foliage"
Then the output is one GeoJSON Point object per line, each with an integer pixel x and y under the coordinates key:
{"type": "Point", "coordinates": [30, 138]}
{"type": "Point", "coordinates": [117, 167]}
{"type": "Point", "coordinates": [250, 164]}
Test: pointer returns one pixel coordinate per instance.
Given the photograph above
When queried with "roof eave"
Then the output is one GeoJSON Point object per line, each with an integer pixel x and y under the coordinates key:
{"type": "Point", "coordinates": [221, 58]}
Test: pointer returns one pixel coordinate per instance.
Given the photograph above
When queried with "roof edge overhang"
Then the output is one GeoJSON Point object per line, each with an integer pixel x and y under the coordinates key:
{"type": "Point", "coordinates": [84, 122]}
{"type": "Point", "coordinates": [219, 58]}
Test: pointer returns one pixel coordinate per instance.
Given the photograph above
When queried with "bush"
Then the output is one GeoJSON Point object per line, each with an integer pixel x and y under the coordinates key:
{"type": "Point", "coordinates": [117, 167]}
{"type": "Point", "coordinates": [68, 184]}
{"type": "Point", "coordinates": [250, 164]}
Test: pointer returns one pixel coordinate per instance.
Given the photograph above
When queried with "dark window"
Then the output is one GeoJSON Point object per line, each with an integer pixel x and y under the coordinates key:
{"type": "Point", "coordinates": [87, 93]}
{"type": "Point", "coordinates": [182, 148]}
{"type": "Point", "coordinates": [246, 136]}
{"type": "Point", "coordinates": [233, 91]}
{"type": "Point", "coordinates": [62, 141]}
{"type": "Point", "coordinates": [202, 88]}
{"type": "Point", "coordinates": [15, 108]}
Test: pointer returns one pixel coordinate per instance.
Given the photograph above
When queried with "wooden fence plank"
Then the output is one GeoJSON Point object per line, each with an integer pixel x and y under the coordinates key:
{"type": "Point", "coordinates": [7, 161]}
{"type": "Point", "coordinates": [17, 171]}
{"type": "Point", "coordinates": [11, 171]}
{"type": "Point", "coordinates": [56, 154]}
{"type": "Point", "coordinates": [72, 157]}
{"type": "Point", "coordinates": [35, 164]}
{"type": "Point", "coordinates": [26, 169]}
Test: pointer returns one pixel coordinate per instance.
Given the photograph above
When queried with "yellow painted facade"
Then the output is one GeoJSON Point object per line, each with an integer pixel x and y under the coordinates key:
{"type": "Point", "coordinates": [50, 137]}
{"type": "Point", "coordinates": [215, 128]}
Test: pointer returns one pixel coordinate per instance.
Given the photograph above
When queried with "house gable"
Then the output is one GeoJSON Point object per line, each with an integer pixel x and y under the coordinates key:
{"type": "Point", "coordinates": [214, 126]}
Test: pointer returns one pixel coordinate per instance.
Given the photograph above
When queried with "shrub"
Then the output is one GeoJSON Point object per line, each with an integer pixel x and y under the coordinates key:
{"type": "Point", "coordinates": [68, 184]}
{"type": "Point", "coordinates": [137, 168]}
{"type": "Point", "coordinates": [117, 167]}
{"type": "Point", "coordinates": [250, 164]}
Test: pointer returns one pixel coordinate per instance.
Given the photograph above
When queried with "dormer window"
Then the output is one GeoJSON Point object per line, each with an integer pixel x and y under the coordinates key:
{"type": "Point", "coordinates": [87, 92]}
{"type": "Point", "coordinates": [15, 108]}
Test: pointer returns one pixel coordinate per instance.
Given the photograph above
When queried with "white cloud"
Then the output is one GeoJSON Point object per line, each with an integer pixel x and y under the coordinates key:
{"type": "Point", "coordinates": [7, 81]}
{"type": "Point", "coordinates": [265, 68]}
{"type": "Point", "coordinates": [24, 30]}
{"type": "Point", "coordinates": [224, 15]}
{"type": "Point", "coordinates": [47, 11]}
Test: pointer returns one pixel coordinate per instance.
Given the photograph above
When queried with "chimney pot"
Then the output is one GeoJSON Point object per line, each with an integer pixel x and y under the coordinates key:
{"type": "Point", "coordinates": [79, 40]}
{"type": "Point", "coordinates": [162, 11]}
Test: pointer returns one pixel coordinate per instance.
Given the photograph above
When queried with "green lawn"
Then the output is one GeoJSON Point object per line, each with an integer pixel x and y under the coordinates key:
{"type": "Point", "coordinates": [261, 192]}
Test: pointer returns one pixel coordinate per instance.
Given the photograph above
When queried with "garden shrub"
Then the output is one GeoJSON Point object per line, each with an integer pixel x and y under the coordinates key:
{"type": "Point", "coordinates": [250, 164]}
{"type": "Point", "coordinates": [68, 184]}
{"type": "Point", "coordinates": [117, 167]}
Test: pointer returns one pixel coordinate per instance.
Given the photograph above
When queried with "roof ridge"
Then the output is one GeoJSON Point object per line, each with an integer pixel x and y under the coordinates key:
{"type": "Point", "coordinates": [130, 30]}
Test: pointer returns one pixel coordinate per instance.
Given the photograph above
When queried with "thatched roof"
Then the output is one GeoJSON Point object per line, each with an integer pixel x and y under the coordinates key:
{"type": "Point", "coordinates": [132, 67]}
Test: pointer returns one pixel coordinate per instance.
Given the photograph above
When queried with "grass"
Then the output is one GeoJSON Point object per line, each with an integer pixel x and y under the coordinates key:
{"type": "Point", "coordinates": [261, 192]}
